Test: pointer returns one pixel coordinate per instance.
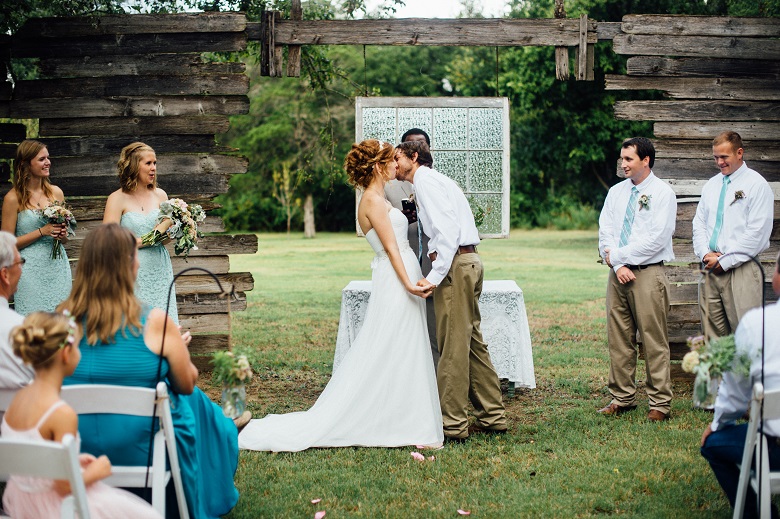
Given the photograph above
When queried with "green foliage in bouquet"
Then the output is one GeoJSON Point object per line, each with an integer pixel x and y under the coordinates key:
{"type": "Point", "coordinates": [711, 359]}
{"type": "Point", "coordinates": [230, 370]}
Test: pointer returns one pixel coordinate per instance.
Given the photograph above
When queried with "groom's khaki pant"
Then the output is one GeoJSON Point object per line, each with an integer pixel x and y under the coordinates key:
{"type": "Point", "coordinates": [465, 370]}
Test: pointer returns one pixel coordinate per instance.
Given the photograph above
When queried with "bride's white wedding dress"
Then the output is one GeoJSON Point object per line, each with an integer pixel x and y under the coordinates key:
{"type": "Point", "coordinates": [384, 393]}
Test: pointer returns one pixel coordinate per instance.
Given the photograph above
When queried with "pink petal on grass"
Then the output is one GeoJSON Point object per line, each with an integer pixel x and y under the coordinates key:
{"type": "Point", "coordinates": [320, 514]}
{"type": "Point", "coordinates": [315, 501]}
{"type": "Point", "coordinates": [432, 458]}
{"type": "Point", "coordinates": [418, 456]}
{"type": "Point", "coordinates": [463, 512]}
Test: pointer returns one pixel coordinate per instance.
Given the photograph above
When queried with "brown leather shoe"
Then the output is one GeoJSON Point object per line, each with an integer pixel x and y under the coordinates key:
{"type": "Point", "coordinates": [614, 409]}
{"type": "Point", "coordinates": [476, 429]}
{"type": "Point", "coordinates": [657, 416]}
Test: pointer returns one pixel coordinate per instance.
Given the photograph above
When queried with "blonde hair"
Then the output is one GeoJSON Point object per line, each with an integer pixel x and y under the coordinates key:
{"type": "Point", "coordinates": [128, 165]}
{"type": "Point", "coordinates": [40, 337]}
{"type": "Point", "coordinates": [103, 288]}
{"type": "Point", "coordinates": [361, 159]}
{"type": "Point", "coordinates": [732, 138]}
{"type": "Point", "coordinates": [25, 153]}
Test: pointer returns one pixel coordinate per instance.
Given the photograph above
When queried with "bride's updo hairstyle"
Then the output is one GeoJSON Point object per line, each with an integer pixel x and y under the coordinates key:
{"type": "Point", "coordinates": [40, 336]}
{"type": "Point", "coordinates": [362, 157]}
{"type": "Point", "coordinates": [128, 165]}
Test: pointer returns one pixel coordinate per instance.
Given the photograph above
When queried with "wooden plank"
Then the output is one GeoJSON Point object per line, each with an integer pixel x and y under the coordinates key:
{"type": "Point", "coordinates": [167, 166]}
{"type": "Point", "coordinates": [111, 24]}
{"type": "Point", "coordinates": [686, 25]}
{"type": "Point", "coordinates": [702, 67]}
{"type": "Point", "coordinates": [700, 88]}
{"type": "Point", "coordinates": [582, 49]}
{"type": "Point", "coordinates": [203, 345]}
{"type": "Point", "coordinates": [683, 253]}
{"type": "Point", "coordinates": [749, 130]}
{"type": "Point", "coordinates": [697, 111]}
{"type": "Point", "coordinates": [205, 284]}
{"type": "Point", "coordinates": [213, 224]}
{"type": "Point", "coordinates": [697, 46]}
{"type": "Point", "coordinates": [702, 149]}
{"type": "Point", "coordinates": [496, 32]}
{"type": "Point", "coordinates": [8, 151]}
{"type": "Point", "coordinates": [606, 31]}
{"type": "Point", "coordinates": [126, 107]}
{"type": "Point", "coordinates": [209, 245]}
{"type": "Point", "coordinates": [103, 185]}
{"type": "Point", "coordinates": [686, 188]}
{"type": "Point", "coordinates": [91, 208]}
{"type": "Point", "coordinates": [294, 51]}
{"type": "Point", "coordinates": [136, 126]}
{"type": "Point", "coordinates": [12, 132]}
{"type": "Point", "coordinates": [78, 146]}
{"type": "Point", "coordinates": [227, 84]}
{"type": "Point", "coordinates": [110, 45]}
{"type": "Point", "coordinates": [209, 303]}
{"type": "Point", "coordinates": [141, 65]}
{"type": "Point", "coordinates": [204, 322]}
{"type": "Point", "coordinates": [704, 169]}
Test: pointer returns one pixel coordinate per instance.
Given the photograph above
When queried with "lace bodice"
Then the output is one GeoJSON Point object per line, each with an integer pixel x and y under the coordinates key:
{"type": "Point", "coordinates": [400, 225]}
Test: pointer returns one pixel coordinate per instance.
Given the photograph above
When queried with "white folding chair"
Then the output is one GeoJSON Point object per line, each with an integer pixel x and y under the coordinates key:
{"type": "Point", "coordinates": [769, 481]}
{"type": "Point", "coordinates": [51, 460]}
{"type": "Point", "coordinates": [136, 401]}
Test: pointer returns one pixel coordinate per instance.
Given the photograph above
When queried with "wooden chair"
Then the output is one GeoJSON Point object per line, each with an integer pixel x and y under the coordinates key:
{"type": "Point", "coordinates": [51, 460]}
{"type": "Point", "coordinates": [769, 481]}
{"type": "Point", "coordinates": [137, 401]}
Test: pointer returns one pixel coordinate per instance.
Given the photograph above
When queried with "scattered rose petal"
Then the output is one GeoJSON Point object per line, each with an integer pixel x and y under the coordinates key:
{"type": "Point", "coordinates": [463, 512]}
{"type": "Point", "coordinates": [315, 501]}
{"type": "Point", "coordinates": [320, 514]}
{"type": "Point", "coordinates": [432, 458]}
{"type": "Point", "coordinates": [418, 456]}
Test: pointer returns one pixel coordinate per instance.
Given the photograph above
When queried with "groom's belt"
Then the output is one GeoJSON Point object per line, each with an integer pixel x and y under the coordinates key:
{"type": "Point", "coordinates": [642, 267]}
{"type": "Point", "coordinates": [463, 249]}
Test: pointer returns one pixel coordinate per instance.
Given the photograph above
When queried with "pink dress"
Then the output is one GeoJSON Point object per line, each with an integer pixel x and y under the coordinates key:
{"type": "Point", "coordinates": [35, 498]}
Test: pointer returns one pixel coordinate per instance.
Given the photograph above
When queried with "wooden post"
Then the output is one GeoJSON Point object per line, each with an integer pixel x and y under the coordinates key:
{"type": "Point", "coordinates": [561, 53]}
{"type": "Point", "coordinates": [268, 60]}
{"type": "Point", "coordinates": [294, 51]}
{"type": "Point", "coordinates": [582, 56]}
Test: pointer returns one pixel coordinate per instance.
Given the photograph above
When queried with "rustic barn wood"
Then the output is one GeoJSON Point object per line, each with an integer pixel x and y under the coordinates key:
{"type": "Point", "coordinates": [204, 344]}
{"type": "Point", "coordinates": [168, 166]}
{"type": "Point", "coordinates": [35, 47]}
{"type": "Point", "coordinates": [140, 126]}
{"type": "Point", "coordinates": [225, 84]}
{"type": "Point", "coordinates": [691, 272]}
{"type": "Point", "coordinates": [209, 303]}
{"type": "Point", "coordinates": [121, 106]}
{"type": "Point", "coordinates": [686, 25]}
{"type": "Point", "coordinates": [294, 51]}
{"type": "Point", "coordinates": [104, 184]}
{"type": "Point", "coordinates": [205, 322]}
{"type": "Point", "coordinates": [702, 149]}
{"type": "Point", "coordinates": [704, 169]}
{"type": "Point", "coordinates": [701, 67]}
{"type": "Point", "coordinates": [702, 46]}
{"type": "Point", "coordinates": [561, 53]}
{"type": "Point", "coordinates": [707, 130]}
{"type": "Point", "coordinates": [12, 132]}
{"type": "Point", "coordinates": [701, 88]}
{"type": "Point", "coordinates": [177, 143]}
{"type": "Point", "coordinates": [213, 224]}
{"type": "Point", "coordinates": [697, 111]}
{"type": "Point", "coordinates": [137, 65]}
{"type": "Point", "coordinates": [92, 208]}
{"type": "Point", "coordinates": [683, 252]}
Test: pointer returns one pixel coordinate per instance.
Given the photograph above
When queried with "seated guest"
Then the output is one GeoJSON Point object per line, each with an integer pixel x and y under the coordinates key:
{"type": "Point", "coordinates": [723, 441]}
{"type": "Point", "coordinates": [121, 345]}
{"type": "Point", "coordinates": [13, 372]}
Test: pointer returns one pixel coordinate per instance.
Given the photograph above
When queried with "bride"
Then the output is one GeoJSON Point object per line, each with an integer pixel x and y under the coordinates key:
{"type": "Point", "coordinates": [384, 392]}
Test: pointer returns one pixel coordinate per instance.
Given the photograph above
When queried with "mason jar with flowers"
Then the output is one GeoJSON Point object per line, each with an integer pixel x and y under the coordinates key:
{"type": "Point", "coordinates": [232, 372]}
{"type": "Point", "coordinates": [708, 360]}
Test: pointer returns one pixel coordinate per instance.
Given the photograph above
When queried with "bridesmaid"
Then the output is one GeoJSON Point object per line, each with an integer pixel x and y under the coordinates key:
{"type": "Point", "coordinates": [45, 282]}
{"type": "Point", "coordinates": [136, 205]}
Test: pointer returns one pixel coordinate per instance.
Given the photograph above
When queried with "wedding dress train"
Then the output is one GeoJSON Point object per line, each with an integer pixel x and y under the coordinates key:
{"type": "Point", "coordinates": [384, 393]}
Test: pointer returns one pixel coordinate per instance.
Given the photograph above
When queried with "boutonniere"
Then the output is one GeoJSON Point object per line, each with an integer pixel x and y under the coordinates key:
{"type": "Point", "coordinates": [739, 195]}
{"type": "Point", "coordinates": [644, 202]}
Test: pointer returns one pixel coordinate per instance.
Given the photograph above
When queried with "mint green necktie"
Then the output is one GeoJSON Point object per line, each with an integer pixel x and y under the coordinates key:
{"type": "Point", "coordinates": [719, 217]}
{"type": "Point", "coordinates": [628, 220]}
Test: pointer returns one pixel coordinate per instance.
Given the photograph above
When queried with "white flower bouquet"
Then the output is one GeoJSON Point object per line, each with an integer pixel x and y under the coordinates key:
{"type": "Point", "coordinates": [710, 359]}
{"type": "Point", "coordinates": [57, 213]}
{"type": "Point", "coordinates": [185, 220]}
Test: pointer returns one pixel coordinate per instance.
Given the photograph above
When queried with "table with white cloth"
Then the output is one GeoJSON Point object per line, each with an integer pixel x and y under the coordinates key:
{"type": "Point", "coordinates": [504, 328]}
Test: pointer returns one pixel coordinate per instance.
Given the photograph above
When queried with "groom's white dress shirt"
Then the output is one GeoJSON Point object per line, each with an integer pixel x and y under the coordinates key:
{"type": "Point", "coordinates": [13, 372]}
{"type": "Point", "coordinates": [446, 219]}
{"type": "Point", "coordinates": [652, 229]}
{"type": "Point", "coordinates": [735, 391]}
{"type": "Point", "coordinates": [747, 221]}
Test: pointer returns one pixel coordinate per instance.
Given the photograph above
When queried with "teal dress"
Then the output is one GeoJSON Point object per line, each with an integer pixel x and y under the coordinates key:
{"type": "Point", "coordinates": [45, 282]}
{"type": "Point", "coordinates": [206, 440]}
{"type": "Point", "coordinates": [156, 272]}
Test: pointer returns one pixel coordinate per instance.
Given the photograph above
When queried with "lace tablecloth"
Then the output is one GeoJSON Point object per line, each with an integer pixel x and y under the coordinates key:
{"type": "Point", "coordinates": [504, 327]}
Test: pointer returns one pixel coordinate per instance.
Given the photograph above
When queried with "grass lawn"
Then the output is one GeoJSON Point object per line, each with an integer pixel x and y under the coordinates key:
{"type": "Point", "coordinates": [559, 459]}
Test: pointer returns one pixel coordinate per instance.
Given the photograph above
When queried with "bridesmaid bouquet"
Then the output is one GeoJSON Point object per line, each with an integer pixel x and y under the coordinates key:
{"type": "Point", "coordinates": [184, 232]}
{"type": "Point", "coordinates": [58, 213]}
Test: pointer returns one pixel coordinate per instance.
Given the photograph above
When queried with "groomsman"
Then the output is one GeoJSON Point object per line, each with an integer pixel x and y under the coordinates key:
{"type": "Point", "coordinates": [13, 372]}
{"type": "Point", "coordinates": [733, 222]}
{"type": "Point", "coordinates": [465, 370]}
{"type": "Point", "coordinates": [635, 239]}
{"type": "Point", "coordinates": [395, 191]}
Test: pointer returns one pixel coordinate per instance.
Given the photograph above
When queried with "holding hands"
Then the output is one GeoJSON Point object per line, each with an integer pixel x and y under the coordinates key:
{"type": "Point", "coordinates": [712, 263]}
{"type": "Point", "coordinates": [426, 287]}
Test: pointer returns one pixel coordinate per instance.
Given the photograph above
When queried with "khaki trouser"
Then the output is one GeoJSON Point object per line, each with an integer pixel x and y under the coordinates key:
{"type": "Point", "coordinates": [465, 372]}
{"type": "Point", "coordinates": [641, 305]}
{"type": "Point", "coordinates": [725, 298]}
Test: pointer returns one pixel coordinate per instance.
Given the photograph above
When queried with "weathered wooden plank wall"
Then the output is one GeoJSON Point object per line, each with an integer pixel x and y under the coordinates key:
{"type": "Point", "coordinates": [111, 80]}
{"type": "Point", "coordinates": [718, 74]}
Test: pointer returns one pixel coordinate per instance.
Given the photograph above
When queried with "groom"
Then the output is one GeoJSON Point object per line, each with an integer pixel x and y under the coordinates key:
{"type": "Point", "coordinates": [465, 371]}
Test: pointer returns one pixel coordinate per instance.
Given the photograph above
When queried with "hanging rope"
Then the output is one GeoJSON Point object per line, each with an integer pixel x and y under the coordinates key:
{"type": "Point", "coordinates": [365, 73]}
